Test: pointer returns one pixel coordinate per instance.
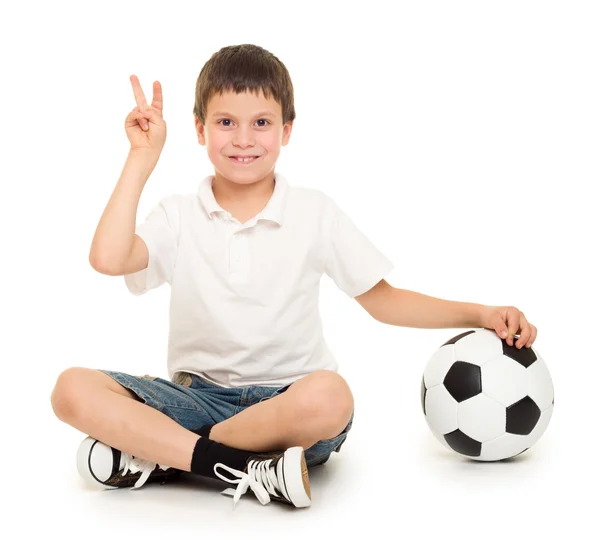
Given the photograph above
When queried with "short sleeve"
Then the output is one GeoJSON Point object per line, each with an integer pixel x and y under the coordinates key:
{"type": "Point", "coordinates": [353, 262]}
{"type": "Point", "coordinates": [160, 233]}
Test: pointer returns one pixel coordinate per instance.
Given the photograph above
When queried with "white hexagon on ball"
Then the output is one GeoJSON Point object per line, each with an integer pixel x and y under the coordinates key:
{"type": "Point", "coordinates": [541, 389]}
{"type": "Point", "coordinates": [436, 371]}
{"type": "Point", "coordinates": [504, 380]}
{"type": "Point", "coordinates": [477, 348]}
{"type": "Point", "coordinates": [501, 447]}
{"type": "Point", "coordinates": [438, 436]}
{"type": "Point", "coordinates": [441, 409]}
{"type": "Point", "coordinates": [481, 418]}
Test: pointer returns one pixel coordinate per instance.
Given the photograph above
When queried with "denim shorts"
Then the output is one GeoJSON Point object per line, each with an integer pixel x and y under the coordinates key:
{"type": "Point", "coordinates": [193, 403]}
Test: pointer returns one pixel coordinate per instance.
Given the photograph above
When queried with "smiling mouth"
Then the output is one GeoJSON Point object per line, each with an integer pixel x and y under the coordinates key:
{"type": "Point", "coordinates": [243, 160]}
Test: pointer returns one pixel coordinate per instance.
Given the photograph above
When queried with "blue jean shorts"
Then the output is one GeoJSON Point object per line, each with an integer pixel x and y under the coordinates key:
{"type": "Point", "coordinates": [193, 403]}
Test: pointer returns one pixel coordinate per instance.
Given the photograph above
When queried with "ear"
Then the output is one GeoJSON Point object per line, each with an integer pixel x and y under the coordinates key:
{"type": "Point", "coordinates": [287, 131]}
{"type": "Point", "coordinates": [200, 131]}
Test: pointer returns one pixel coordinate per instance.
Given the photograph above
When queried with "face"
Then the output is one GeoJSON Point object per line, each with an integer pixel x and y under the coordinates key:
{"type": "Point", "coordinates": [243, 124]}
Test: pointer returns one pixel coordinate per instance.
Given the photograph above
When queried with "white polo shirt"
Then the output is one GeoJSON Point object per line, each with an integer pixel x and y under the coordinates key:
{"type": "Point", "coordinates": [244, 307]}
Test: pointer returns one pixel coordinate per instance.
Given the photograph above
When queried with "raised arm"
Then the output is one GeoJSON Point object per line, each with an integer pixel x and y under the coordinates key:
{"type": "Point", "coordinates": [115, 249]}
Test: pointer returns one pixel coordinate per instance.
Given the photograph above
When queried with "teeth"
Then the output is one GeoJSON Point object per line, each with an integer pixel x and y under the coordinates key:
{"type": "Point", "coordinates": [245, 160]}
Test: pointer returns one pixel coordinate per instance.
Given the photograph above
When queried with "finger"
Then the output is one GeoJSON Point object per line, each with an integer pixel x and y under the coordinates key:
{"type": "Point", "coordinates": [135, 116]}
{"type": "Point", "coordinates": [514, 317]}
{"type": "Point", "coordinates": [138, 93]}
{"type": "Point", "coordinates": [157, 97]}
{"type": "Point", "coordinates": [140, 118]}
{"type": "Point", "coordinates": [150, 115]}
{"type": "Point", "coordinates": [142, 121]}
{"type": "Point", "coordinates": [532, 337]}
{"type": "Point", "coordinates": [501, 329]}
{"type": "Point", "coordinates": [525, 333]}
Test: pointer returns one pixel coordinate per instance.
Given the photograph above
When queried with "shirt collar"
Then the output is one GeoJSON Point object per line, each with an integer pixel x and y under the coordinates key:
{"type": "Point", "coordinates": [273, 211]}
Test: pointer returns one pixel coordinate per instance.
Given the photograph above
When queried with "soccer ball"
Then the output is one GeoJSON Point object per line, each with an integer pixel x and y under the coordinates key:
{"type": "Point", "coordinates": [485, 399]}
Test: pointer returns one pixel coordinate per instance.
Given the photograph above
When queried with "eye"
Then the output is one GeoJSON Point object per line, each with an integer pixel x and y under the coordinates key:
{"type": "Point", "coordinates": [228, 120]}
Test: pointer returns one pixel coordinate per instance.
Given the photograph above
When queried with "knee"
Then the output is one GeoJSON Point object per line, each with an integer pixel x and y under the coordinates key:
{"type": "Point", "coordinates": [327, 397]}
{"type": "Point", "coordinates": [67, 392]}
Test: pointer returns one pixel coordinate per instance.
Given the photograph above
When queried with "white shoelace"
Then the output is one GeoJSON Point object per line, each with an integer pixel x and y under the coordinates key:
{"type": "Point", "coordinates": [261, 478]}
{"type": "Point", "coordinates": [134, 465]}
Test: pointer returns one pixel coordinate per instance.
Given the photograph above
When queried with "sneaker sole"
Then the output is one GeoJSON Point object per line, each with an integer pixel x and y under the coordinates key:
{"type": "Point", "coordinates": [100, 466]}
{"type": "Point", "coordinates": [103, 460]}
{"type": "Point", "coordinates": [295, 471]}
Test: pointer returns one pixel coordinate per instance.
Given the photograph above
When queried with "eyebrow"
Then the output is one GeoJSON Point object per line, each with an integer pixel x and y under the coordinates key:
{"type": "Point", "coordinates": [263, 113]}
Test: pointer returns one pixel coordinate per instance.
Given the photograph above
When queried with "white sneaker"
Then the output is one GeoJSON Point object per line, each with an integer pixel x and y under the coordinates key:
{"type": "Point", "coordinates": [281, 476]}
{"type": "Point", "coordinates": [104, 466]}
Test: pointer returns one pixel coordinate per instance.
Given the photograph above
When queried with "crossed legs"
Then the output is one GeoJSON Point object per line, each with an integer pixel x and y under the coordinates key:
{"type": "Point", "coordinates": [314, 408]}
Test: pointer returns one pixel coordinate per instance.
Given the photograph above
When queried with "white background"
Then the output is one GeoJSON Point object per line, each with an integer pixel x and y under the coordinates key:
{"type": "Point", "coordinates": [461, 137]}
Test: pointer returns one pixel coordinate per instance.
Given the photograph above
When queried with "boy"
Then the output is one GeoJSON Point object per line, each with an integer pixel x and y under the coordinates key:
{"type": "Point", "coordinates": [254, 397]}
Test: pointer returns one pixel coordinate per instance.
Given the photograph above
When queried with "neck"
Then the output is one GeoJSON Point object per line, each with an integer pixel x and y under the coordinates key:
{"type": "Point", "coordinates": [226, 191]}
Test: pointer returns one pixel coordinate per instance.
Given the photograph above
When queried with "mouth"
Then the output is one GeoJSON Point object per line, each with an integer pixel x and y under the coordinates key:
{"type": "Point", "coordinates": [243, 160]}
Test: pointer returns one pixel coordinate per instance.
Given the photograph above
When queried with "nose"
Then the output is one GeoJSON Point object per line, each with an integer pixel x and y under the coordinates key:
{"type": "Point", "coordinates": [243, 137]}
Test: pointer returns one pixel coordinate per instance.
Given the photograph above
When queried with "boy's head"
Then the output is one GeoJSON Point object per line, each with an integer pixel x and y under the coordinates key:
{"type": "Point", "coordinates": [244, 106]}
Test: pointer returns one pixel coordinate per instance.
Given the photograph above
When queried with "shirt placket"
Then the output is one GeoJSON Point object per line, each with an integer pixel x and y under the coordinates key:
{"type": "Point", "coordinates": [239, 256]}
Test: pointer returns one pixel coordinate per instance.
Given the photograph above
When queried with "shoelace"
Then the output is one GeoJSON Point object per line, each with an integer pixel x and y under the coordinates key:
{"type": "Point", "coordinates": [135, 465]}
{"type": "Point", "coordinates": [262, 479]}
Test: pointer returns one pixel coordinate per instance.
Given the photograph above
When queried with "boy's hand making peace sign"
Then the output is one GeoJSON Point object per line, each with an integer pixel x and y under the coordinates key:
{"type": "Point", "coordinates": [144, 125]}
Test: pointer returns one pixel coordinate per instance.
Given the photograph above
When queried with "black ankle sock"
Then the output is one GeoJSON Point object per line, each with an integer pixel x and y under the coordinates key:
{"type": "Point", "coordinates": [207, 453]}
{"type": "Point", "coordinates": [204, 431]}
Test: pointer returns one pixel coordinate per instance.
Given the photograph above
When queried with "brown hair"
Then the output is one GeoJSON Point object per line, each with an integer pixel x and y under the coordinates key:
{"type": "Point", "coordinates": [245, 68]}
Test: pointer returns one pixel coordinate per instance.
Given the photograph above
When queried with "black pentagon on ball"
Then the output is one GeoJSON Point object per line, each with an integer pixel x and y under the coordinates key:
{"type": "Point", "coordinates": [522, 416]}
{"type": "Point", "coordinates": [463, 444]}
{"type": "Point", "coordinates": [423, 392]}
{"type": "Point", "coordinates": [525, 356]}
{"type": "Point", "coordinates": [463, 381]}
{"type": "Point", "coordinates": [453, 340]}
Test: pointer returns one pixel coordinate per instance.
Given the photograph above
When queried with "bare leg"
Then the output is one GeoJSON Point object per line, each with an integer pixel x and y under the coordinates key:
{"type": "Point", "coordinates": [266, 426]}
{"type": "Point", "coordinates": [100, 407]}
{"type": "Point", "coordinates": [286, 420]}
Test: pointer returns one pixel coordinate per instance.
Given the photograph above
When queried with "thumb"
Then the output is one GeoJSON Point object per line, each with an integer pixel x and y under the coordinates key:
{"type": "Point", "coordinates": [502, 331]}
{"type": "Point", "coordinates": [500, 327]}
{"type": "Point", "coordinates": [148, 115]}
{"type": "Point", "coordinates": [151, 113]}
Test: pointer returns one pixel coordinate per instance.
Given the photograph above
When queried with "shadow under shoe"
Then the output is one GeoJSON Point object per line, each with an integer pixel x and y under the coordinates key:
{"type": "Point", "coordinates": [104, 466]}
{"type": "Point", "coordinates": [280, 476]}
